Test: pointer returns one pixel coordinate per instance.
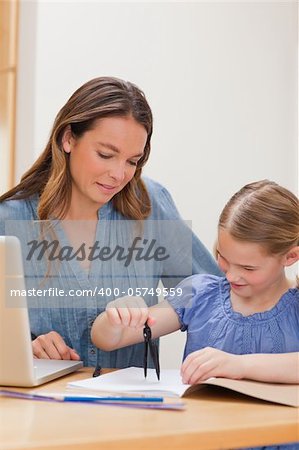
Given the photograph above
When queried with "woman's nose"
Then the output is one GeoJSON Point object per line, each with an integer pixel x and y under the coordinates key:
{"type": "Point", "coordinates": [117, 172]}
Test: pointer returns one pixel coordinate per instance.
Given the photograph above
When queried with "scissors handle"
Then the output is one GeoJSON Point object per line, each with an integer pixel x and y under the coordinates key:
{"type": "Point", "coordinates": [147, 332]}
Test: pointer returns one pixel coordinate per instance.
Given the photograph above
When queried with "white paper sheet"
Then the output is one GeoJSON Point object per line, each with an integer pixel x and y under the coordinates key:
{"type": "Point", "coordinates": [132, 379]}
{"type": "Point", "coordinates": [170, 384]}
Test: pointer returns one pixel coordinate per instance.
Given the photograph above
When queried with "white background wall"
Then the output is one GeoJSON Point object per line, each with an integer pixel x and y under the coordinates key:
{"type": "Point", "coordinates": [221, 79]}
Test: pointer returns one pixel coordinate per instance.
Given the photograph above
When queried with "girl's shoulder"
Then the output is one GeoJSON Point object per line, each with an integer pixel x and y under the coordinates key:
{"type": "Point", "coordinates": [291, 297]}
{"type": "Point", "coordinates": [294, 291]}
{"type": "Point", "coordinates": [198, 299]}
{"type": "Point", "coordinates": [198, 291]}
{"type": "Point", "coordinates": [203, 283]}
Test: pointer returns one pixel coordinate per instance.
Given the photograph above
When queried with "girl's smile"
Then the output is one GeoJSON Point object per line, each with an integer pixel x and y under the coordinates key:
{"type": "Point", "coordinates": [254, 275]}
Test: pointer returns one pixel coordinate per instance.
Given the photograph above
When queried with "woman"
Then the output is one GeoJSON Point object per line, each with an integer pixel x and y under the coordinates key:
{"type": "Point", "coordinates": [88, 184]}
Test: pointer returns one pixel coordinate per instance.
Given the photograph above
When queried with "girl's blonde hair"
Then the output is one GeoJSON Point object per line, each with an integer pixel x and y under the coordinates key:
{"type": "Point", "coordinates": [50, 177]}
{"type": "Point", "coordinates": [264, 213]}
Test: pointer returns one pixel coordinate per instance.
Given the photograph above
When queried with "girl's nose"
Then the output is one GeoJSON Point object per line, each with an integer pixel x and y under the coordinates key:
{"type": "Point", "coordinates": [232, 276]}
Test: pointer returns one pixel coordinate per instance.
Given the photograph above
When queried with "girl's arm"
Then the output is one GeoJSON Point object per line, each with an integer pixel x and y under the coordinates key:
{"type": "Point", "coordinates": [275, 368]}
{"type": "Point", "coordinates": [210, 362]}
{"type": "Point", "coordinates": [123, 321]}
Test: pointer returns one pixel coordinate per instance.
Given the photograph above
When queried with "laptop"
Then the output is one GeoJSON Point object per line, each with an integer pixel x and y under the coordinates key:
{"type": "Point", "coordinates": [17, 365]}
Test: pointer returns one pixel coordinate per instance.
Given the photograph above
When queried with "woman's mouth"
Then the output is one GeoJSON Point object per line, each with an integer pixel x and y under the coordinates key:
{"type": "Point", "coordinates": [107, 188]}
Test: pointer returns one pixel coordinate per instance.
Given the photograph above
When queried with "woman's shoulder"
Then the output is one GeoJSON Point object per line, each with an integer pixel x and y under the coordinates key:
{"type": "Point", "coordinates": [153, 187]}
{"type": "Point", "coordinates": [12, 211]}
{"type": "Point", "coordinates": [19, 209]}
{"type": "Point", "coordinates": [163, 206]}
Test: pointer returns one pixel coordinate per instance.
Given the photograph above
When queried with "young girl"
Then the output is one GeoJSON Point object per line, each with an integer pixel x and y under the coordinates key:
{"type": "Point", "coordinates": [243, 325]}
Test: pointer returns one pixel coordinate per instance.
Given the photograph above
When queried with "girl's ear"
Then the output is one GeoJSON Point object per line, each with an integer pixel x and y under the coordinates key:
{"type": "Point", "coordinates": [67, 139]}
{"type": "Point", "coordinates": [292, 256]}
{"type": "Point", "coordinates": [215, 249]}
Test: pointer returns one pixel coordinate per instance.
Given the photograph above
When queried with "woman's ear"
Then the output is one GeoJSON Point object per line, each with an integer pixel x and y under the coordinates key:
{"type": "Point", "coordinates": [292, 256]}
{"type": "Point", "coordinates": [67, 139]}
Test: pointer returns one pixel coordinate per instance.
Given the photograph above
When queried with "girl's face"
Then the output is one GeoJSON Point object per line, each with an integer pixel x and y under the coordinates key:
{"type": "Point", "coordinates": [248, 268]}
{"type": "Point", "coordinates": [104, 159]}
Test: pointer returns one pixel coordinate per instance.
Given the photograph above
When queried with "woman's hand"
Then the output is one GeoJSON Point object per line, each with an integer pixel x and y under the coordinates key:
{"type": "Point", "coordinates": [210, 362]}
{"type": "Point", "coordinates": [52, 346]}
{"type": "Point", "coordinates": [129, 312]}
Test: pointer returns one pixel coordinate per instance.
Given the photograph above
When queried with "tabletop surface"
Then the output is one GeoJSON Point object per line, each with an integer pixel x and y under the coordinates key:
{"type": "Point", "coordinates": [213, 418]}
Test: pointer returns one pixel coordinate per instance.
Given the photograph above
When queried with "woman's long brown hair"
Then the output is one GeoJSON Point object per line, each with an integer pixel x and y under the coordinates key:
{"type": "Point", "coordinates": [50, 177]}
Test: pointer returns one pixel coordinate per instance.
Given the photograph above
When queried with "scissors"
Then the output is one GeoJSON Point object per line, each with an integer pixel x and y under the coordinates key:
{"type": "Point", "coordinates": [148, 343]}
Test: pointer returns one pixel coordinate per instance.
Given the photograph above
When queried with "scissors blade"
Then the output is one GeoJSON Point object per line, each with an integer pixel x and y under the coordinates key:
{"type": "Point", "coordinates": [145, 359]}
{"type": "Point", "coordinates": [155, 357]}
{"type": "Point", "coordinates": [147, 337]}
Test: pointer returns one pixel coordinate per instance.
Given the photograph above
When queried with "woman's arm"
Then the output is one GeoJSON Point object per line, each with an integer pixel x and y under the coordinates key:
{"type": "Point", "coordinates": [210, 362]}
{"type": "Point", "coordinates": [123, 321]}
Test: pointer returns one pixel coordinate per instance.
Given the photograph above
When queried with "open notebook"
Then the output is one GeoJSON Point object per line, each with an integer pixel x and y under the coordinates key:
{"type": "Point", "coordinates": [132, 380]}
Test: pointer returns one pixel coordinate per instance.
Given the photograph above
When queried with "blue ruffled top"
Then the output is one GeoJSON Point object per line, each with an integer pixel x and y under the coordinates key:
{"type": "Point", "coordinates": [205, 311]}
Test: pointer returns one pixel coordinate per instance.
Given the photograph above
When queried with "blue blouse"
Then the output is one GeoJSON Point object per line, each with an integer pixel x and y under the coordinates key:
{"type": "Point", "coordinates": [72, 315]}
{"type": "Point", "coordinates": [205, 311]}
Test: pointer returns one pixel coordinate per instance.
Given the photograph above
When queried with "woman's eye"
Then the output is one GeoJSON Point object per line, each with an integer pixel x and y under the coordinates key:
{"type": "Point", "coordinates": [133, 163]}
{"type": "Point", "coordinates": [248, 268]}
{"type": "Point", "coordinates": [103, 156]}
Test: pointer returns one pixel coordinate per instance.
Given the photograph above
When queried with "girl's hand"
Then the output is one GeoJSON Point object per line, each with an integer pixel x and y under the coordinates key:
{"type": "Point", "coordinates": [52, 346]}
{"type": "Point", "coordinates": [122, 322]}
{"type": "Point", "coordinates": [129, 312]}
{"type": "Point", "coordinates": [210, 362]}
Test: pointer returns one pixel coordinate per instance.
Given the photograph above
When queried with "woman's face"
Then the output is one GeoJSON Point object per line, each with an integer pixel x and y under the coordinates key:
{"type": "Point", "coordinates": [103, 160]}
